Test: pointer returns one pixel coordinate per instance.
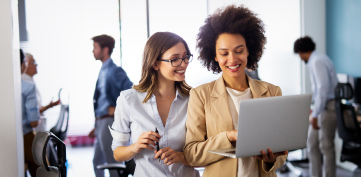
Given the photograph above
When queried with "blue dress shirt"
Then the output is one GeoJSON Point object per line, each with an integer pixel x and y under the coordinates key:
{"type": "Point", "coordinates": [323, 81]}
{"type": "Point", "coordinates": [103, 103]}
{"type": "Point", "coordinates": [133, 117]}
{"type": "Point", "coordinates": [30, 110]}
{"type": "Point", "coordinates": [112, 80]}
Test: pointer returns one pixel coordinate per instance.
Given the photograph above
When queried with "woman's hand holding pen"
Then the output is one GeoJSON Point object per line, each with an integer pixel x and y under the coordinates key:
{"type": "Point", "coordinates": [144, 141]}
{"type": "Point", "coordinates": [170, 156]}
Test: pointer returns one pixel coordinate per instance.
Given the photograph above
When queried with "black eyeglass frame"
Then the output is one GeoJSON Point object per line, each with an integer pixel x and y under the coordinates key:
{"type": "Point", "coordinates": [182, 59]}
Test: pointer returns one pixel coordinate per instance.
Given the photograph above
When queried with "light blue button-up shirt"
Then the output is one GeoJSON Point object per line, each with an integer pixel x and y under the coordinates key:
{"type": "Point", "coordinates": [103, 103]}
{"type": "Point", "coordinates": [133, 117]}
{"type": "Point", "coordinates": [323, 81]}
{"type": "Point", "coordinates": [30, 110]}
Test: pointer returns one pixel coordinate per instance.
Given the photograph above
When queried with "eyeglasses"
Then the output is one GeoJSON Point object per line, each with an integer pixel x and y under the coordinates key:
{"type": "Point", "coordinates": [32, 63]}
{"type": "Point", "coordinates": [178, 61]}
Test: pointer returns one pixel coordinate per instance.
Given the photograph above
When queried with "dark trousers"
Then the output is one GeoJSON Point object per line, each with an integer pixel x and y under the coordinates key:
{"type": "Point", "coordinates": [28, 154]}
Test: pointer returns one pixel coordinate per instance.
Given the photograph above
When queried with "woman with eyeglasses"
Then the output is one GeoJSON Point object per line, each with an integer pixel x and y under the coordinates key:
{"type": "Point", "coordinates": [230, 41]}
{"type": "Point", "coordinates": [149, 120]}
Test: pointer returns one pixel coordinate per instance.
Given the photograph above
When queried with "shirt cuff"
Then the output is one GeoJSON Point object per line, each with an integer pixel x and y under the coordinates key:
{"type": "Point", "coordinates": [119, 139]}
{"type": "Point", "coordinates": [314, 114]}
{"type": "Point", "coordinates": [117, 136]}
{"type": "Point", "coordinates": [267, 168]}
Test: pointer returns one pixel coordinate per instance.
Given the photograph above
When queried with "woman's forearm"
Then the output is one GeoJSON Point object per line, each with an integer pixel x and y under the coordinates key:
{"type": "Point", "coordinates": [123, 153]}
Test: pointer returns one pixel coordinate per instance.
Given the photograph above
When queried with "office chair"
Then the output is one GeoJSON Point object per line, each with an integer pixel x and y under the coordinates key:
{"type": "Point", "coordinates": [60, 130]}
{"type": "Point", "coordinates": [61, 127]}
{"type": "Point", "coordinates": [123, 169]}
{"type": "Point", "coordinates": [39, 149]}
{"type": "Point", "coordinates": [62, 122]}
{"type": "Point", "coordinates": [348, 127]}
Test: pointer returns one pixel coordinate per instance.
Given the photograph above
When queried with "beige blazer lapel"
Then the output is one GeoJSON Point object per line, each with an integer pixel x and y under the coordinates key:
{"type": "Point", "coordinates": [257, 89]}
{"type": "Point", "coordinates": [219, 103]}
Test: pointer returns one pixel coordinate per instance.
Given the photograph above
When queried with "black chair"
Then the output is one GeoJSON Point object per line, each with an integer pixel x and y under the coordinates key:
{"type": "Point", "coordinates": [348, 127]}
{"type": "Point", "coordinates": [60, 130]}
{"type": "Point", "coordinates": [123, 169]}
{"type": "Point", "coordinates": [61, 127]}
{"type": "Point", "coordinates": [39, 148]}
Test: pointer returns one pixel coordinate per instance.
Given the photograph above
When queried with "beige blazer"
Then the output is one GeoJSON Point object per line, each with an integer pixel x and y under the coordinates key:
{"type": "Point", "coordinates": [209, 118]}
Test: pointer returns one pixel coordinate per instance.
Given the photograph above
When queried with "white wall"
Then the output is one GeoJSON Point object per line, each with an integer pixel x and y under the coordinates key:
{"type": "Point", "coordinates": [11, 154]}
{"type": "Point", "coordinates": [60, 35]}
{"type": "Point", "coordinates": [134, 36]}
{"type": "Point", "coordinates": [313, 24]}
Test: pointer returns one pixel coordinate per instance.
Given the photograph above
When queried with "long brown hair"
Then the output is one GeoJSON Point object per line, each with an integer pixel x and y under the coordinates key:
{"type": "Point", "coordinates": [156, 45]}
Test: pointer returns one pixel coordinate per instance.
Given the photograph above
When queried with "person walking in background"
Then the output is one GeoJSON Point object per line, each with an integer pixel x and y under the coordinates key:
{"type": "Point", "coordinates": [30, 118]}
{"type": "Point", "coordinates": [231, 40]}
{"type": "Point", "coordinates": [321, 133]}
{"type": "Point", "coordinates": [27, 74]}
{"type": "Point", "coordinates": [149, 123]}
{"type": "Point", "coordinates": [112, 80]}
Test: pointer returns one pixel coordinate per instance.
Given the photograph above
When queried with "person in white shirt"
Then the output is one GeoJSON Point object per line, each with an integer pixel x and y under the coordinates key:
{"type": "Point", "coordinates": [321, 134]}
{"type": "Point", "coordinates": [28, 70]}
{"type": "Point", "coordinates": [149, 120]}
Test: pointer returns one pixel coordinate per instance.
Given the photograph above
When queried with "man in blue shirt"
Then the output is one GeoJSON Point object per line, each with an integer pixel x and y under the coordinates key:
{"type": "Point", "coordinates": [321, 134]}
{"type": "Point", "coordinates": [111, 81]}
{"type": "Point", "coordinates": [30, 118]}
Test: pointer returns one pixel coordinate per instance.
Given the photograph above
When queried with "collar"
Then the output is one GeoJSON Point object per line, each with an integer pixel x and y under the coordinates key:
{"type": "Point", "coordinates": [107, 64]}
{"type": "Point", "coordinates": [313, 54]}
{"type": "Point", "coordinates": [257, 88]}
{"type": "Point", "coordinates": [178, 95]}
{"type": "Point", "coordinates": [27, 77]}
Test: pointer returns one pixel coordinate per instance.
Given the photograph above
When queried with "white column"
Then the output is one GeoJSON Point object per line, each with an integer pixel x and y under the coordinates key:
{"type": "Point", "coordinates": [11, 154]}
{"type": "Point", "coordinates": [313, 24]}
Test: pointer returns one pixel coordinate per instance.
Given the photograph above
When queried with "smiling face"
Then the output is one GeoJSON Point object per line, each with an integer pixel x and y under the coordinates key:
{"type": "Point", "coordinates": [165, 70]}
{"type": "Point", "coordinates": [231, 55]}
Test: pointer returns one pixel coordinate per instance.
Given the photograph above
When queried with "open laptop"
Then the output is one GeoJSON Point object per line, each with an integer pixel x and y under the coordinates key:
{"type": "Point", "coordinates": [280, 123]}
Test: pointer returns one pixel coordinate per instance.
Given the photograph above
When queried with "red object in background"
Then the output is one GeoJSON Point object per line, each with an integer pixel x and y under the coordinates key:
{"type": "Point", "coordinates": [81, 140]}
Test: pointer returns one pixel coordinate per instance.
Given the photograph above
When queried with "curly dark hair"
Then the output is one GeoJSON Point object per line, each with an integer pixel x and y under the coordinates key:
{"type": "Point", "coordinates": [304, 44]}
{"type": "Point", "coordinates": [234, 20]}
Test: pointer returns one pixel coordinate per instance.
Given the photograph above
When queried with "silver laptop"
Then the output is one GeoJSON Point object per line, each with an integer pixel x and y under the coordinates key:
{"type": "Point", "coordinates": [280, 123]}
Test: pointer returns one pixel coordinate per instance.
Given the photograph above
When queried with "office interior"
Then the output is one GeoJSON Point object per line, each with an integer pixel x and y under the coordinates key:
{"type": "Point", "coordinates": [58, 34]}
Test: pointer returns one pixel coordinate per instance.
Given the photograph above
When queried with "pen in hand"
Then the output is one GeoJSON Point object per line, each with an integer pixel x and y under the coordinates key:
{"type": "Point", "coordinates": [157, 143]}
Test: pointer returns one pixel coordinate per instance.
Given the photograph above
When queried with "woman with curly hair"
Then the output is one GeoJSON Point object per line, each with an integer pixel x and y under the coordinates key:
{"type": "Point", "coordinates": [230, 41]}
